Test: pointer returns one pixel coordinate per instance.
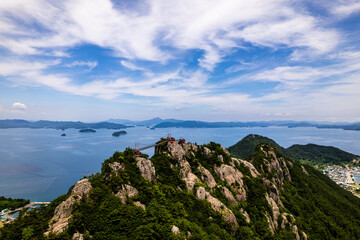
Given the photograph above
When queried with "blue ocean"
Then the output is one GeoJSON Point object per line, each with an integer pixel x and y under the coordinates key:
{"type": "Point", "coordinates": [40, 164]}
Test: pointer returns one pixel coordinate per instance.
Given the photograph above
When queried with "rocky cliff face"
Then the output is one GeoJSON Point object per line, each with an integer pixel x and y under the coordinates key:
{"type": "Point", "coordinates": [209, 173]}
{"type": "Point", "coordinates": [62, 214]}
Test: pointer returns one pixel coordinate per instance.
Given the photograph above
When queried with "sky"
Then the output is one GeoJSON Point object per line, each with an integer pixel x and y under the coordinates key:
{"type": "Point", "coordinates": [211, 60]}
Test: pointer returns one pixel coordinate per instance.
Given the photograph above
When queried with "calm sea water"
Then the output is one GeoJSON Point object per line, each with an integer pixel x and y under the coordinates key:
{"type": "Point", "coordinates": [40, 165]}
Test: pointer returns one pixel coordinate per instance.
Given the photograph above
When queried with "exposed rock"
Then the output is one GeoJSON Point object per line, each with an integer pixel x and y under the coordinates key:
{"type": "Point", "coordinates": [273, 162]}
{"type": "Point", "coordinates": [116, 167]}
{"type": "Point", "coordinates": [273, 192]}
{"type": "Point", "coordinates": [284, 221]}
{"type": "Point", "coordinates": [254, 173]}
{"type": "Point", "coordinates": [218, 206]}
{"type": "Point", "coordinates": [304, 170]}
{"type": "Point", "coordinates": [229, 196]}
{"type": "Point", "coordinates": [78, 236]}
{"type": "Point", "coordinates": [176, 150]}
{"type": "Point", "coordinates": [146, 168]}
{"type": "Point", "coordinates": [175, 230]}
{"type": "Point", "coordinates": [126, 191]}
{"type": "Point", "coordinates": [207, 177]}
{"type": "Point", "coordinates": [271, 223]}
{"type": "Point", "coordinates": [247, 217]}
{"type": "Point", "coordinates": [225, 151]}
{"type": "Point", "coordinates": [186, 174]}
{"type": "Point", "coordinates": [304, 236]}
{"type": "Point", "coordinates": [62, 214]}
{"type": "Point", "coordinates": [207, 152]}
{"type": "Point", "coordinates": [296, 232]}
{"type": "Point", "coordinates": [275, 210]}
{"type": "Point", "coordinates": [139, 204]}
{"type": "Point", "coordinates": [221, 158]}
{"type": "Point", "coordinates": [229, 174]}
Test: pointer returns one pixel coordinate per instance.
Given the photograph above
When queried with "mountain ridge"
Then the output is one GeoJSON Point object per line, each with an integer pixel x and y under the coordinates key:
{"type": "Point", "coordinates": [19, 123]}
{"type": "Point", "coordinates": [189, 191]}
{"type": "Point", "coordinates": [313, 154]}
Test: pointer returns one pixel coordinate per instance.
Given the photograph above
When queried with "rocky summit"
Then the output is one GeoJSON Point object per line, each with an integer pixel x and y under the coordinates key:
{"type": "Point", "coordinates": [189, 191]}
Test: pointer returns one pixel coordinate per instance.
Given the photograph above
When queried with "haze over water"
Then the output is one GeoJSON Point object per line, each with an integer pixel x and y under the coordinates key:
{"type": "Point", "coordinates": [40, 165]}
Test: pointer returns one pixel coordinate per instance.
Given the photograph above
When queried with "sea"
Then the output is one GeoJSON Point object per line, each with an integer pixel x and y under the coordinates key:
{"type": "Point", "coordinates": [40, 164]}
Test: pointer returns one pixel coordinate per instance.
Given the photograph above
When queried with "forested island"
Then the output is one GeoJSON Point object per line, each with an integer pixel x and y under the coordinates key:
{"type": "Point", "coordinates": [119, 133]}
{"type": "Point", "coordinates": [190, 191]}
{"type": "Point", "coordinates": [18, 123]}
{"type": "Point", "coordinates": [88, 130]}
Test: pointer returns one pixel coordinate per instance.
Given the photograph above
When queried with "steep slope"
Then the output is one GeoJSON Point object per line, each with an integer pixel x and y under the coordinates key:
{"type": "Point", "coordinates": [315, 154]}
{"type": "Point", "coordinates": [186, 191]}
{"type": "Point", "coordinates": [312, 154]}
{"type": "Point", "coordinates": [247, 145]}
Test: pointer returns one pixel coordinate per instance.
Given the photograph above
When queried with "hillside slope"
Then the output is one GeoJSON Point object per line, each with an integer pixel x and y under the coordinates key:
{"type": "Point", "coordinates": [186, 191]}
{"type": "Point", "coordinates": [312, 154]}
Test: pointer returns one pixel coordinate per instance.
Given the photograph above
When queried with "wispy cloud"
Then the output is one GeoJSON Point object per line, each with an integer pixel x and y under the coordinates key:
{"type": "Point", "coordinates": [189, 49]}
{"type": "Point", "coordinates": [89, 64]}
{"type": "Point", "coordinates": [131, 66]}
{"type": "Point", "coordinates": [213, 26]}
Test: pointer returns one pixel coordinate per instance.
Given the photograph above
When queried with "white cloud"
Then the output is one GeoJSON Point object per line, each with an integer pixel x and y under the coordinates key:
{"type": "Point", "coordinates": [215, 26]}
{"type": "Point", "coordinates": [348, 8]}
{"type": "Point", "coordinates": [90, 64]}
{"type": "Point", "coordinates": [19, 106]}
{"type": "Point", "coordinates": [16, 66]}
{"type": "Point", "coordinates": [131, 66]}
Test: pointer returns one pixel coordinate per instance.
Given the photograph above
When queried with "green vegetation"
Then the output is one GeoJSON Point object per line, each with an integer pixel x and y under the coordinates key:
{"type": "Point", "coordinates": [310, 154]}
{"type": "Point", "coordinates": [117, 134]}
{"type": "Point", "coordinates": [309, 200]}
{"type": "Point", "coordinates": [12, 204]}
{"type": "Point", "coordinates": [320, 155]}
{"type": "Point", "coordinates": [247, 145]}
{"type": "Point", "coordinates": [31, 224]}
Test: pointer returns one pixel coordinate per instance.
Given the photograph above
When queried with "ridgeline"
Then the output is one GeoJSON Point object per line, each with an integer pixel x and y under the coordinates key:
{"type": "Point", "coordinates": [187, 191]}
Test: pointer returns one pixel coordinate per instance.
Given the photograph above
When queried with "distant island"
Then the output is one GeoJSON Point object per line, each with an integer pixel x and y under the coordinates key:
{"type": "Point", "coordinates": [18, 123]}
{"type": "Point", "coordinates": [88, 130]}
{"type": "Point", "coordinates": [117, 134]}
{"type": "Point", "coordinates": [171, 123]}
{"type": "Point", "coordinates": [311, 154]}
{"type": "Point", "coordinates": [289, 124]}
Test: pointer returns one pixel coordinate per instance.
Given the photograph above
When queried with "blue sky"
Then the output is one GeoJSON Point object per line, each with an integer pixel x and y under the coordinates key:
{"type": "Point", "coordinates": [213, 60]}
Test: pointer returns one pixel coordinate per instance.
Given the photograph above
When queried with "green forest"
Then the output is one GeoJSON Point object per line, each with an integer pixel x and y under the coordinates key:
{"type": "Point", "coordinates": [307, 200]}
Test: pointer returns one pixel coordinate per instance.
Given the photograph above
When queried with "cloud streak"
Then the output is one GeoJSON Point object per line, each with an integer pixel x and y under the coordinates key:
{"type": "Point", "coordinates": [171, 54]}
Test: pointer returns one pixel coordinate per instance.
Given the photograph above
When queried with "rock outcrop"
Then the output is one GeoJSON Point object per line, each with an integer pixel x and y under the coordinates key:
{"type": "Point", "coordinates": [218, 206]}
{"type": "Point", "coordinates": [175, 230]}
{"type": "Point", "coordinates": [126, 191]}
{"type": "Point", "coordinates": [232, 177]}
{"type": "Point", "coordinates": [254, 173]}
{"type": "Point", "coordinates": [275, 211]}
{"type": "Point", "coordinates": [229, 196]}
{"type": "Point", "coordinates": [146, 168]}
{"type": "Point", "coordinates": [207, 177]}
{"type": "Point", "coordinates": [187, 175]}
{"type": "Point", "coordinates": [139, 204]}
{"type": "Point", "coordinates": [62, 214]}
{"type": "Point", "coordinates": [178, 152]}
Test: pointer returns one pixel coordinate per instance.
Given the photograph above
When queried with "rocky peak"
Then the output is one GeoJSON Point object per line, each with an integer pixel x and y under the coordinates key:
{"type": "Point", "coordinates": [218, 206]}
{"type": "Point", "coordinates": [62, 214]}
{"type": "Point", "coordinates": [146, 168]}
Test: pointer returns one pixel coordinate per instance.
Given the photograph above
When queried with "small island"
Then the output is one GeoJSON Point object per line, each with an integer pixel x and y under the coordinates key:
{"type": "Point", "coordinates": [116, 134]}
{"type": "Point", "coordinates": [63, 135]}
{"type": "Point", "coordinates": [87, 130]}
